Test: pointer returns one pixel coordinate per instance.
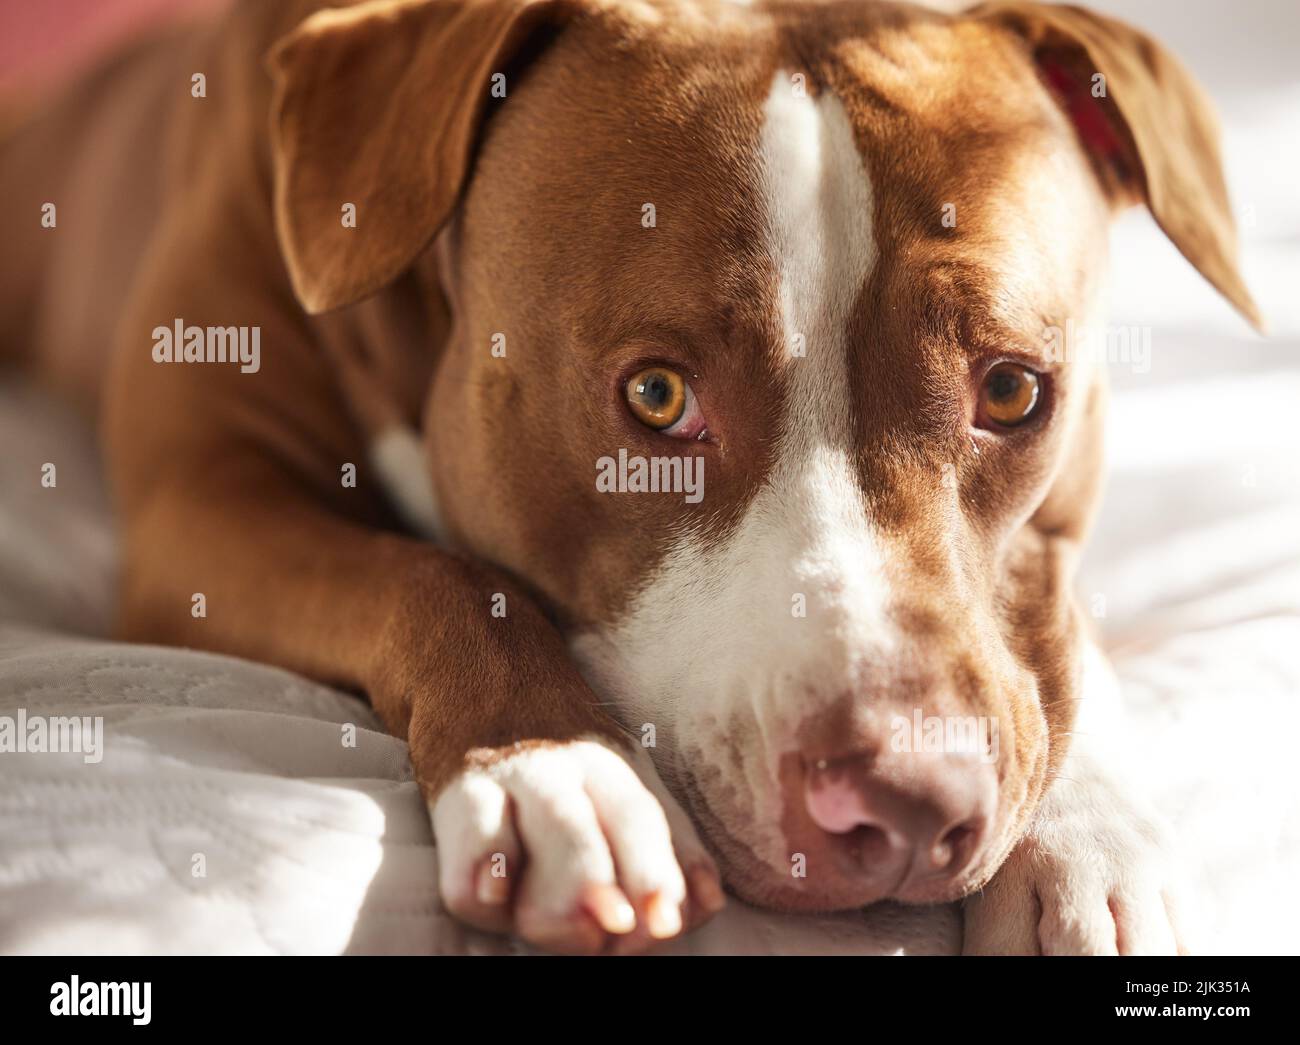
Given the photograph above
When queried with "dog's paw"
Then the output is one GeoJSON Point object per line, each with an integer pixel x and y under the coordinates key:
{"type": "Point", "coordinates": [1092, 877]}
{"type": "Point", "coordinates": [571, 849]}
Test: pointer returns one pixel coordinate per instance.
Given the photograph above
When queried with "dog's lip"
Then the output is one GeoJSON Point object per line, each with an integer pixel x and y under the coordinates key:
{"type": "Point", "coordinates": [755, 881]}
{"type": "Point", "coordinates": [715, 834]}
{"type": "Point", "coordinates": [743, 873]}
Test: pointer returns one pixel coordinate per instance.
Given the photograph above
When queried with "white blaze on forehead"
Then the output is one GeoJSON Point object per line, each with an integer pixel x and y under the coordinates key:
{"type": "Point", "coordinates": [714, 652]}
{"type": "Point", "coordinates": [818, 202]}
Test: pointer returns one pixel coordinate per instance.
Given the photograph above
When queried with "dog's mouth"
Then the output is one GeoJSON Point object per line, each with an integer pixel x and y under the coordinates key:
{"type": "Point", "coordinates": [824, 799]}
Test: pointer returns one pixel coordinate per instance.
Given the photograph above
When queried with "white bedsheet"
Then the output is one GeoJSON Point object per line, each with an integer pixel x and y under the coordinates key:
{"type": "Point", "coordinates": [307, 845]}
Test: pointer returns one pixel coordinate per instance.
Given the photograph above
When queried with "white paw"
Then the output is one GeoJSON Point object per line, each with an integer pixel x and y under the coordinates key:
{"type": "Point", "coordinates": [1093, 876]}
{"type": "Point", "coordinates": [570, 848]}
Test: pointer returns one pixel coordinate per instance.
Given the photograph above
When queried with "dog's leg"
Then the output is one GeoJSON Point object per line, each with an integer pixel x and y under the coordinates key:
{"type": "Point", "coordinates": [1093, 874]}
{"type": "Point", "coordinates": [543, 827]}
{"type": "Point", "coordinates": [230, 487]}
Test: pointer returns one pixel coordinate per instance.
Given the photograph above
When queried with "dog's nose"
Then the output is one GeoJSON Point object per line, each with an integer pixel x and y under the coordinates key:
{"type": "Point", "coordinates": [906, 816]}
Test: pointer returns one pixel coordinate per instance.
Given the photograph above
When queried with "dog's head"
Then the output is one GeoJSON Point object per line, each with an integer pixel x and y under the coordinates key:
{"type": "Point", "coordinates": [814, 267]}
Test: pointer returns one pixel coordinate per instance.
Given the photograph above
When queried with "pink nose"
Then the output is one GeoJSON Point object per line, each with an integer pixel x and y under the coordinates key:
{"type": "Point", "coordinates": [907, 815]}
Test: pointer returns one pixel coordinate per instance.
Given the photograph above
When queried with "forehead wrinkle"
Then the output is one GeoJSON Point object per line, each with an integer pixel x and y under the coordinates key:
{"type": "Point", "coordinates": [968, 124]}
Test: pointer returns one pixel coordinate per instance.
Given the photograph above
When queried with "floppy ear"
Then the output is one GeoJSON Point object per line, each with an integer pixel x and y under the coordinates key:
{"type": "Point", "coordinates": [379, 106]}
{"type": "Point", "coordinates": [1148, 127]}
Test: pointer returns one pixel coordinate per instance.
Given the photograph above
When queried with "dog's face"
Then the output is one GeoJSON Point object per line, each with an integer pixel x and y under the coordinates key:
{"type": "Point", "coordinates": [869, 541]}
{"type": "Point", "coordinates": [814, 257]}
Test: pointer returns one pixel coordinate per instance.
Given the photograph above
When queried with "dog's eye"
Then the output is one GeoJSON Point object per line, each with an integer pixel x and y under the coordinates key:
{"type": "Point", "coordinates": [660, 398]}
{"type": "Point", "coordinates": [657, 397]}
{"type": "Point", "coordinates": [1010, 395]}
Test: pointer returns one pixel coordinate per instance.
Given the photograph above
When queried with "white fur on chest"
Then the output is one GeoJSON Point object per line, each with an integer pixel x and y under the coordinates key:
{"type": "Point", "coordinates": [398, 459]}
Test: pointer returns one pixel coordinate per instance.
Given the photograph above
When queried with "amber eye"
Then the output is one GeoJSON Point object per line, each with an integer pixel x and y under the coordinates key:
{"type": "Point", "coordinates": [1010, 394]}
{"type": "Point", "coordinates": [657, 397]}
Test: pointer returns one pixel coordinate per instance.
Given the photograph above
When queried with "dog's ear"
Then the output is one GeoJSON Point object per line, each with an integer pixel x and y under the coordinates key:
{"type": "Point", "coordinates": [378, 106]}
{"type": "Point", "coordinates": [1149, 129]}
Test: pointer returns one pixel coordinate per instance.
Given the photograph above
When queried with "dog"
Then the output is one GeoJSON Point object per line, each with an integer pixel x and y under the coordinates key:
{"type": "Point", "coordinates": [518, 269]}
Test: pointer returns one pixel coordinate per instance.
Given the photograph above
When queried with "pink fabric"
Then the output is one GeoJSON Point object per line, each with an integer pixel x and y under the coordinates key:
{"type": "Point", "coordinates": [43, 42]}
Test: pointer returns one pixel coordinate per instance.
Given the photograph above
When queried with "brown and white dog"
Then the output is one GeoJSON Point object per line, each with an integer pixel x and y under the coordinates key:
{"type": "Point", "coordinates": [805, 249]}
